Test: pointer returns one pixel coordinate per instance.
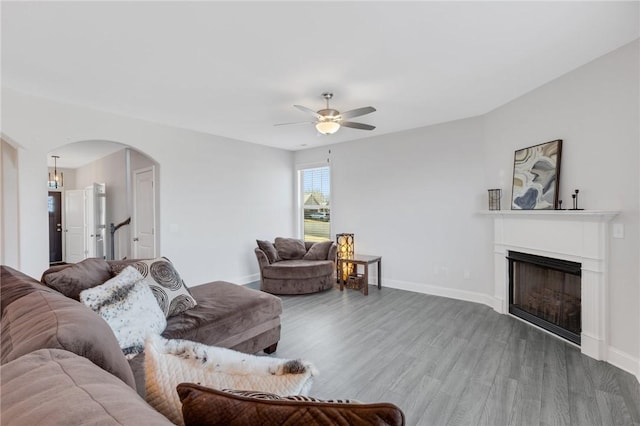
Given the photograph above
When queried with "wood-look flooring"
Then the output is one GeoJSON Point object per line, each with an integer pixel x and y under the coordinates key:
{"type": "Point", "coordinates": [450, 362]}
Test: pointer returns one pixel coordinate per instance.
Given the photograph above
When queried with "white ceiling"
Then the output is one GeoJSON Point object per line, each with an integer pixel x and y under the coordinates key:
{"type": "Point", "coordinates": [236, 68]}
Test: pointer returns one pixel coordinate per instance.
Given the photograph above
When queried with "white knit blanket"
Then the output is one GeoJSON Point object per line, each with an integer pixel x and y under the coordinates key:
{"type": "Point", "coordinates": [171, 362]}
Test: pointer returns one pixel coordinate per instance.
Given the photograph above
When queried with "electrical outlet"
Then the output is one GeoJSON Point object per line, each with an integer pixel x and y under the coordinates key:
{"type": "Point", "coordinates": [618, 230]}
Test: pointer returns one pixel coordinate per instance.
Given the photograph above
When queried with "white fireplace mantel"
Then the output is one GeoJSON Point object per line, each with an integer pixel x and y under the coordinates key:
{"type": "Point", "coordinates": [606, 215]}
{"type": "Point", "coordinates": [575, 235]}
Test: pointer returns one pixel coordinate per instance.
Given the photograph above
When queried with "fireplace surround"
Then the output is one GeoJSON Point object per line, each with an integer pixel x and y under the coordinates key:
{"type": "Point", "coordinates": [575, 236]}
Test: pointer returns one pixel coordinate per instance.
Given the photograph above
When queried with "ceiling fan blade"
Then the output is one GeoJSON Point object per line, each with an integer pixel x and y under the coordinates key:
{"type": "Point", "coordinates": [358, 112]}
{"type": "Point", "coordinates": [308, 110]}
{"type": "Point", "coordinates": [295, 122]}
{"type": "Point", "coordinates": [360, 126]}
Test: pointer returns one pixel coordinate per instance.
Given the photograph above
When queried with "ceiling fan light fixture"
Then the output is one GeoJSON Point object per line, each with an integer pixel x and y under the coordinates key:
{"type": "Point", "coordinates": [329, 120]}
{"type": "Point", "coordinates": [327, 127]}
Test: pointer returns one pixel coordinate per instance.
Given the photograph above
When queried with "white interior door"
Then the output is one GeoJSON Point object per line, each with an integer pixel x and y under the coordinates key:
{"type": "Point", "coordinates": [144, 214]}
{"type": "Point", "coordinates": [75, 231]}
{"type": "Point", "coordinates": [89, 217]}
{"type": "Point", "coordinates": [96, 220]}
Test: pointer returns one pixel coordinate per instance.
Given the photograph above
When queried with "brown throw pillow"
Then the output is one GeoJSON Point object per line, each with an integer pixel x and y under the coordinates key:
{"type": "Point", "coordinates": [268, 248]}
{"type": "Point", "coordinates": [318, 251]}
{"type": "Point", "coordinates": [83, 275]}
{"type": "Point", "coordinates": [206, 406]}
{"type": "Point", "coordinates": [274, 397]}
{"type": "Point", "coordinates": [290, 248]}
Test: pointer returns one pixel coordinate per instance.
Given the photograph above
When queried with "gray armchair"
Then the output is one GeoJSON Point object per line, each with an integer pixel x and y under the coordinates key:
{"type": "Point", "coordinates": [296, 267]}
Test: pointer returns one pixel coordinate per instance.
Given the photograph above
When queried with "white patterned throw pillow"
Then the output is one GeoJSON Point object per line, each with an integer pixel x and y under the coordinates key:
{"type": "Point", "coordinates": [171, 362]}
{"type": "Point", "coordinates": [170, 291]}
{"type": "Point", "coordinates": [127, 304]}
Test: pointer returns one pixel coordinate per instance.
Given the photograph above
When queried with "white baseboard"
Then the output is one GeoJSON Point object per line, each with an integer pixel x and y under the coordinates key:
{"type": "Point", "coordinates": [246, 279]}
{"type": "Point", "coordinates": [499, 305]}
{"type": "Point", "coordinates": [453, 293]}
{"type": "Point", "coordinates": [624, 361]}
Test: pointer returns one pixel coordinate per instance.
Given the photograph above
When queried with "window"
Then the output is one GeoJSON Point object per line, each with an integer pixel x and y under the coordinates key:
{"type": "Point", "coordinates": [315, 204]}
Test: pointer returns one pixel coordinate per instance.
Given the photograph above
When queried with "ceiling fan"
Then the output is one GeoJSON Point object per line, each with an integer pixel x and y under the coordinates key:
{"type": "Point", "coordinates": [328, 120]}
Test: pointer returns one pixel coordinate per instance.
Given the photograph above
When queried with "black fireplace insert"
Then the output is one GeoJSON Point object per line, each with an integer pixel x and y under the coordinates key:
{"type": "Point", "coordinates": [546, 292]}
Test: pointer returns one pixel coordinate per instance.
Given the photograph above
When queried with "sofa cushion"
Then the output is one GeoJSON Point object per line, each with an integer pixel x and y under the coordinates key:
{"type": "Point", "coordinates": [127, 304]}
{"type": "Point", "coordinates": [298, 269]}
{"type": "Point", "coordinates": [14, 285]}
{"type": "Point", "coordinates": [118, 265]}
{"type": "Point", "coordinates": [206, 406]}
{"type": "Point", "coordinates": [171, 362]}
{"type": "Point", "coordinates": [290, 248]}
{"type": "Point", "coordinates": [224, 312]}
{"type": "Point", "coordinates": [43, 319]}
{"type": "Point", "coordinates": [269, 249]}
{"type": "Point", "coordinates": [52, 386]}
{"type": "Point", "coordinates": [172, 294]}
{"type": "Point", "coordinates": [71, 280]}
{"type": "Point", "coordinates": [318, 251]}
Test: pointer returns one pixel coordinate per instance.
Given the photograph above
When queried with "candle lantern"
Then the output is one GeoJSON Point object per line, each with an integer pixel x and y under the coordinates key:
{"type": "Point", "coordinates": [346, 250]}
{"type": "Point", "coordinates": [494, 199]}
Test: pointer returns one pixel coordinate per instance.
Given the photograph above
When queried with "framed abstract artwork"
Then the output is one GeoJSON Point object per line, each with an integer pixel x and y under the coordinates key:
{"type": "Point", "coordinates": [536, 176]}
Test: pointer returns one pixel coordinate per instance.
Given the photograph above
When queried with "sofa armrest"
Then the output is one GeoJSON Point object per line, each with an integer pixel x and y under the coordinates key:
{"type": "Point", "coordinates": [49, 320]}
{"type": "Point", "coordinates": [262, 259]}
{"type": "Point", "coordinates": [53, 386]}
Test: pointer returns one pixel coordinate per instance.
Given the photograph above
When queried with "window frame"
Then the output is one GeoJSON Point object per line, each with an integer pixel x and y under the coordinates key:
{"type": "Point", "coordinates": [299, 171]}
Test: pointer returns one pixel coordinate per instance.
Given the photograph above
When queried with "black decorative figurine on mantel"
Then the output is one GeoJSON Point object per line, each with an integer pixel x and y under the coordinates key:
{"type": "Point", "coordinates": [575, 200]}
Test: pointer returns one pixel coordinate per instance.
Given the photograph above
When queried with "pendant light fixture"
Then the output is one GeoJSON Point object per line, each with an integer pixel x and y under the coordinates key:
{"type": "Point", "coordinates": [58, 180]}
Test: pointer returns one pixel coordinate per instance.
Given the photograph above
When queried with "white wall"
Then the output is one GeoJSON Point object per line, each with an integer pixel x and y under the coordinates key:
{"type": "Point", "coordinates": [109, 170]}
{"type": "Point", "coordinates": [217, 195]}
{"type": "Point", "coordinates": [9, 211]}
{"type": "Point", "coordinates": [595, 111]}
{"type": "Point", "coordinates": [413, 197]}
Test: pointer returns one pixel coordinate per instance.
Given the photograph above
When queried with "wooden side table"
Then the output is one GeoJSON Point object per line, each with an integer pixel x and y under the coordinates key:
{"type": "Point", "coordinates": [365, 260]}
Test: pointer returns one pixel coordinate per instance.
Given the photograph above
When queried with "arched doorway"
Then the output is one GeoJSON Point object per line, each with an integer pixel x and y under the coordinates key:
{"type": "Point", "coordinates": [100, 201]}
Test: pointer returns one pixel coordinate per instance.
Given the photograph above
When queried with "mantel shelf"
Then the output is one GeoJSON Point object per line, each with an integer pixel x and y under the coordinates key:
{"type": "Point", "coordinates": [599, 215]}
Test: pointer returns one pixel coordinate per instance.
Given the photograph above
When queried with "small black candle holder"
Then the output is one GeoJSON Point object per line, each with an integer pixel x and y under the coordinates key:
{"type": "Point", "coordinates": [494, 199]}
{"type": "Point", "coordinates": [574, 196]}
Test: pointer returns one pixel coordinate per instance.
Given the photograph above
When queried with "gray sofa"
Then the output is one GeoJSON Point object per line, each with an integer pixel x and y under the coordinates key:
{"type": "Point", "coordinates": [60, 363]}
{"type": "Point", "coordinates": [292, 266]}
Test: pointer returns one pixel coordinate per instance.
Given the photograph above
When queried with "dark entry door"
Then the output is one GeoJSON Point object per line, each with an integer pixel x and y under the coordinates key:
{"type": "Point", "coordinates": [55, 227]}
